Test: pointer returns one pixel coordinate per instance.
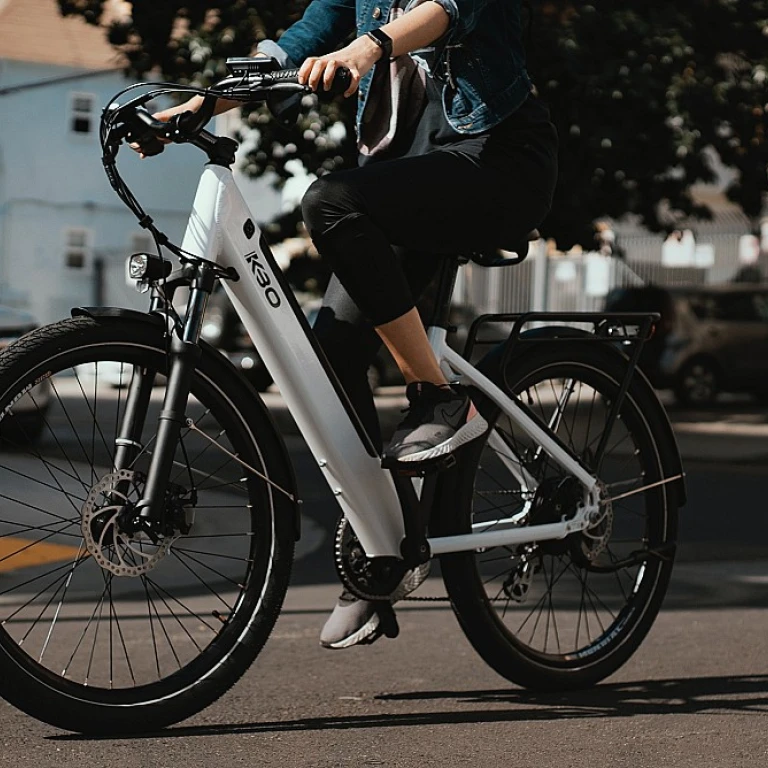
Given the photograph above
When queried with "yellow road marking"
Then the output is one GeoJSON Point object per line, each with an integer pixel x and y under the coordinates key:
{"type": "Point", "coordinates": [23, 553]}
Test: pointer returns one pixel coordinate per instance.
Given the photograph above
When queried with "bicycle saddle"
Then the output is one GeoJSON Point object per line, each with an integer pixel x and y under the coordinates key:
{"type": "Point", "coordinates": [494, 259]}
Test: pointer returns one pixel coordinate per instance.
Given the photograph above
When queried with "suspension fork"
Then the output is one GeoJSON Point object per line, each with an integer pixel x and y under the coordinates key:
{"type": "Point", "coordinates": [184, 354]}
{"type": "Point", "coordinates": [128, 444]}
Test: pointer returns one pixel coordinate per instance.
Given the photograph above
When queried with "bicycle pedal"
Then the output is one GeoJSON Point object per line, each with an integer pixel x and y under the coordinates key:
{"type": "Point", "coordinates": [423, 468]}
{"type": "Point", "coordinates": [388, 625]}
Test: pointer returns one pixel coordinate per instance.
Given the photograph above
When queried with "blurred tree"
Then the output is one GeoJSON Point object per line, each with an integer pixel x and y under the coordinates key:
{"type": "Point", "coordinates": [639, 89]}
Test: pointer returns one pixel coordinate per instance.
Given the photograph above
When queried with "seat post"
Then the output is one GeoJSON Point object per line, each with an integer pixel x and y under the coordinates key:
{"type": "Point", "coordinates": [443, 292]}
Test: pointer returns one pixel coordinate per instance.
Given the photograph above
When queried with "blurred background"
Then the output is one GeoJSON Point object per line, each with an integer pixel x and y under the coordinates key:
{"type": "Point", "coordinates": [661, 203]}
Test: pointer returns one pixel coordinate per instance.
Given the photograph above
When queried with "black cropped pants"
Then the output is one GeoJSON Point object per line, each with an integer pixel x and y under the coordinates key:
{"type": "Point", "coordinates": [384, 226]}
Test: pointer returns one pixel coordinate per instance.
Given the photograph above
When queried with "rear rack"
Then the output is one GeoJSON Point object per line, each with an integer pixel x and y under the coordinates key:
{"type": "Point", "coordinates": [630, 328]}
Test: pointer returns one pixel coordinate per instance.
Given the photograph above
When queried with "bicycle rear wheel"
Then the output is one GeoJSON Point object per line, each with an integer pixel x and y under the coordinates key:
{"type": "Point", "coordinates": [102, 631]}
{"type": "Point", "coordinates": [565, 614]}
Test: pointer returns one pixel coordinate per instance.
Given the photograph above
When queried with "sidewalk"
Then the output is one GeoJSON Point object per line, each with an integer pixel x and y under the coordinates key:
{"type": "Point", "coordinates": [732, 435]}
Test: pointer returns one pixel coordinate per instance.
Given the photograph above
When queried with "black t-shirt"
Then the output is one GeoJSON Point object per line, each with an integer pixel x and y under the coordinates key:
{"type": "Point", "coordinates": [527, 129]}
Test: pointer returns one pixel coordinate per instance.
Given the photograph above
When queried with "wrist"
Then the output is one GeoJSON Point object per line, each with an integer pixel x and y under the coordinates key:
{"type": "Point", "coordinates": [370, 50]}
{"type": "Point", "coordinates": [381, 41]}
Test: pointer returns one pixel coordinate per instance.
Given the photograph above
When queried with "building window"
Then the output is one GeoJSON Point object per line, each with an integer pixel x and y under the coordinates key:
{"type": "Point", "coordinates": [77, 245]}
{"type": "Point", "coordinates": [81, 112]}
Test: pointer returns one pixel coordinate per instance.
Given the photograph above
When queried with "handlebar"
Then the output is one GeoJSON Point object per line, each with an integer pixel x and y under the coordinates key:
{"type": "Point", "coordinates": [251, 80]}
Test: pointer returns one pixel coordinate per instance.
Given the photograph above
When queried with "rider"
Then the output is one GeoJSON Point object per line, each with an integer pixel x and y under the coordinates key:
{"type": "Point", "coordinates": [456, 154]}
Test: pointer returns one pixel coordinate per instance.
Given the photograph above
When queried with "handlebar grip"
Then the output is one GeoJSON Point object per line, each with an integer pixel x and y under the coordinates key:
{"type": "Point", "coordinates": [147, 133]}
{"type": "Point", "coordinates": [342, 78]}
{"type": "Point", "coordinates": [191, 123]}
{"type": "Point", "coordinates": [290, 77]}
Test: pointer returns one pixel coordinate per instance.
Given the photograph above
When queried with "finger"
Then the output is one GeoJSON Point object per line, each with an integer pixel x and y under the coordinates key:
{"type": "Point", "coordinates": [316, 74]}
{"type": "Point", "coordinates": [329, 74]}
{"type": "Point", "coordinates": [354, 83]}
{"type": "Point", "coordinates": [305, 69]}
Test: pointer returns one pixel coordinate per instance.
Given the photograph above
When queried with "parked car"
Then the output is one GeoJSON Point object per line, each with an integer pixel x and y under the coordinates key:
{"type": "Point", "coordinates": [26, 420]}
{"type": "Point", "coordinates": [711, 339]}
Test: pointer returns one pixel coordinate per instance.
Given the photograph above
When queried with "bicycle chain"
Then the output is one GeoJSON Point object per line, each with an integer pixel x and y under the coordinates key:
{"type": "Point", "coordinates": [426, 599]}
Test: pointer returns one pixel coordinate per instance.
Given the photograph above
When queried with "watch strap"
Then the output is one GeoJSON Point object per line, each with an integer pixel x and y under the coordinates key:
{"type": "Point", "coordinates": [383, 40]}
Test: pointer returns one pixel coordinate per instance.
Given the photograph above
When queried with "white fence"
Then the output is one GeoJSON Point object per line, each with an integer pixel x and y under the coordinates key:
{"type": "Point", "coordinates": [568, 283]}
{"type": "Point", "coordinates": [580, 282]}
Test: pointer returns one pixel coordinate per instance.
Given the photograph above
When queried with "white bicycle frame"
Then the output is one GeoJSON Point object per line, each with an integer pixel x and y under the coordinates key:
{"type": "Point", "coordinates": [221, 229]}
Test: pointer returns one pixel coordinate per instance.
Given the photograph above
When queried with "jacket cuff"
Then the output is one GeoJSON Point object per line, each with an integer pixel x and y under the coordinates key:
{"type": "Point", "coordinates": [450, 7]}
{"type": "Point", "coordinates": [271, 48]}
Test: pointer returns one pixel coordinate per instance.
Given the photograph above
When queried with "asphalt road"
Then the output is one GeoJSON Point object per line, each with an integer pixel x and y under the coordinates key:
{"type": "Point", "coordinates": [695, 694]}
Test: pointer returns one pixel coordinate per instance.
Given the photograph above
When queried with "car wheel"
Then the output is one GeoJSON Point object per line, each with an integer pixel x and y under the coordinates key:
{"type": "Point", "coordinates": [374, 377]}
{"type": "Point", "coordinates": [697, 383]}
{"type": "Point", "coordinates": [259, 377]}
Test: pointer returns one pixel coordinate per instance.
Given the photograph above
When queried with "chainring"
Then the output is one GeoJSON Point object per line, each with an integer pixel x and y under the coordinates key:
{"type": "Point", "coordinates": [368, 578]}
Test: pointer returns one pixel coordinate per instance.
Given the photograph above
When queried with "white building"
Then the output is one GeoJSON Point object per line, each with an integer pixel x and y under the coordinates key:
{"type": "Point", "coordinates": [64, 234]}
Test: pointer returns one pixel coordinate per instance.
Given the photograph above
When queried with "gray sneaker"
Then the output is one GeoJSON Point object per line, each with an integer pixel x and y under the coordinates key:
{"type": "Point", "coordinates": [357, 622]}
{"type": "Point", "coordinates": [353, 622]}
{"type": "Point", "coordinates": [439, 420]}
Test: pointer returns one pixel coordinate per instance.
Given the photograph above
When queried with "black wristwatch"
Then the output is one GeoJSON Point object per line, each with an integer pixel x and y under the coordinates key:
{"type": "Point", "coordinates": [383, 40]}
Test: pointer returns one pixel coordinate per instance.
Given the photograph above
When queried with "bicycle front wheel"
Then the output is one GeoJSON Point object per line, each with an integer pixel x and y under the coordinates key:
{"type": "Point", "coordinates": [108, 630]}
{"type": "Point", "coordinates": [556, 615]}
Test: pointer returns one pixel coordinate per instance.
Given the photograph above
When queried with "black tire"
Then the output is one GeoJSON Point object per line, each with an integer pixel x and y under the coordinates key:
{"type": "Point", "coordinates": [575, 623]}
{"type": "Point", "coordinates": [88, 650]}
{"type": "Point", "coordinates": [698, 383]}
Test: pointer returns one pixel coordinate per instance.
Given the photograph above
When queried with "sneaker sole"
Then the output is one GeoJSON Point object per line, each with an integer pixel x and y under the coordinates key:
{"type": "Point", "coordinates": [473, 429]}
{"type": "Point", "coordinates": [368, 629]}
{"type": "Point", "coordinates": [411, 582]}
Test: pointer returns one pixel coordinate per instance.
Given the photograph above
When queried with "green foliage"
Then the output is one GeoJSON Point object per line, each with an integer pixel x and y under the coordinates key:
{"type": "Point", "coordinates": [638, 89]}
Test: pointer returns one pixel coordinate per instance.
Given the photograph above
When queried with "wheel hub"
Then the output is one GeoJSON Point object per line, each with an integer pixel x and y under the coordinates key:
{"type": "Point", "coordinates": [587, 545]}
{"type": "Point", "coordinates": [110, 531]}
{"type": "Point", "coordinates": [557, 498]}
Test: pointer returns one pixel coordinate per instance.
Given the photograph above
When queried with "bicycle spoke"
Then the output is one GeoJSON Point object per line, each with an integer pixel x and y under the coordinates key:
{"type": "Point", "coordinates": [145, 582]}
{"type": "Point", "coordinates": [568, 610]}
{"type": "Point", "coordinates": [204, 583]}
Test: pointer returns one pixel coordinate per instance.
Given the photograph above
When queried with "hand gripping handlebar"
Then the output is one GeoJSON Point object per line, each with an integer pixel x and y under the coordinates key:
{"type": "Point", "coordinates": [251, 80]}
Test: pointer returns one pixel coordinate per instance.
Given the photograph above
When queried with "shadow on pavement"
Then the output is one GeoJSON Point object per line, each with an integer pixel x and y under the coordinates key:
{"type": "Point", "coordinates": [703, 695]}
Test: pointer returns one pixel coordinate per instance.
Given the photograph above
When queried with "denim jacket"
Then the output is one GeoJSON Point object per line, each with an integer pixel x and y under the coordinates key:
{"type": "Point", "coordinates": [480, 60]}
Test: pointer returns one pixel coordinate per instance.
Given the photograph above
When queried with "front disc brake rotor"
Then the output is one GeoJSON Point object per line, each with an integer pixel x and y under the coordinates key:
{"type": "Point", "coordinates": [114, 548]}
